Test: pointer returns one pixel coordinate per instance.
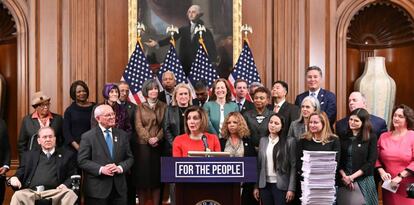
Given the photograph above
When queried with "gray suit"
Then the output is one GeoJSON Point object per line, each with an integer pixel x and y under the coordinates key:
{"type": "Point", "coordinates": [94, 153]}
{"type": "Point", "coordinates": [285, 181]}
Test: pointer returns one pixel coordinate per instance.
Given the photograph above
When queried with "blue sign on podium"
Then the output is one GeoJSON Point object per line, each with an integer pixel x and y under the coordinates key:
{"type": "Point", "coordinates": [208, 169]}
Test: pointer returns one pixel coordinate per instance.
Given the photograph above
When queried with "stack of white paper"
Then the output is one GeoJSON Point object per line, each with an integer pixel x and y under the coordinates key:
{"type": "Point", "coordinates": [318, 185]}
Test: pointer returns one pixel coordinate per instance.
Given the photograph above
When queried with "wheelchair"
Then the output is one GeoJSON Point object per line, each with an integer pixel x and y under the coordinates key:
{"type": "Point", "coordinates": [75, 186]}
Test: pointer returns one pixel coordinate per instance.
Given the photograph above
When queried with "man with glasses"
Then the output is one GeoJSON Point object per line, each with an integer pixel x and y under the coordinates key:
{"type": "Point", "coordinates": [41, 117]}
{"type": "Point", "coordinates": [105, 156]}
{"type": "Point", "coordinates": [45, 173]}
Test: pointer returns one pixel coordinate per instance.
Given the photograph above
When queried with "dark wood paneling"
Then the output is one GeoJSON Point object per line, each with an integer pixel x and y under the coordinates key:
{"type": "Point", "coordinates": [399, 63]}
{"type": "Point", "coordinates": [353, 71]}
{"type": "Point", "coordinates": [260, 40]}
{"type": "Point", "coordinates": [116, 39]}
{"type": "Point", "coordinates": [8, 68]}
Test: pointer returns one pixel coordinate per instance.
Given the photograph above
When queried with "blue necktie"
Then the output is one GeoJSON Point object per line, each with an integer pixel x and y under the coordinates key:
{"type": "Point", "coordinates": [109, 142]}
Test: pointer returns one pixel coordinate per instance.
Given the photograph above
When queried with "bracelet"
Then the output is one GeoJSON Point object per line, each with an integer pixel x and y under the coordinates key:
{"type": "Point", "coordinates": [400, 175]}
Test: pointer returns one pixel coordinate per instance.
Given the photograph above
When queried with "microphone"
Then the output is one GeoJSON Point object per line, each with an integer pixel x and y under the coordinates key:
{"type": "Point", "coordinates": [204, 139]}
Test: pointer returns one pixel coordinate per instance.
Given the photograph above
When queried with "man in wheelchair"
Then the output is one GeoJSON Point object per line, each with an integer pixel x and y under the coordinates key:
{"type": "Point", "coordinates": [45, 173]}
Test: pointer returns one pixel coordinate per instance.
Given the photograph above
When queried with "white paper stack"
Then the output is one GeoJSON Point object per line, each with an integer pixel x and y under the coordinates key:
{"type": "Point", "coordinates": [318, 185]}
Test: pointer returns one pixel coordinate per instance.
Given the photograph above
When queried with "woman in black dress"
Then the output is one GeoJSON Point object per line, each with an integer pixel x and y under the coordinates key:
{"type": "Point", "coordinates": [77, 116]}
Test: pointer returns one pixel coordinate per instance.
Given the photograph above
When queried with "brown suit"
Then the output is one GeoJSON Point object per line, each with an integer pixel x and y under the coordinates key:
{"type": "Point", "coordinates": [148, 122]}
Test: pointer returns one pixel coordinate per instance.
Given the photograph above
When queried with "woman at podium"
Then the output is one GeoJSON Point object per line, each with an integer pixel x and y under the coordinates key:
{"type": "Point", "coordinates": [237, 142]}
{"type": "Point", "coordinates": [276, 164]}
{"type": "Point", "coordinates": [195, 138]}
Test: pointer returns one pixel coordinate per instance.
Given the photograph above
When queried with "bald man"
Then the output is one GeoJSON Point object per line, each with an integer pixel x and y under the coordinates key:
{"type": "Point", "coordinates": [357, 100]}
{"type": "Point", "coordinates": [189, 40]}
{"type": "Point", "coordinates": [105, 156]}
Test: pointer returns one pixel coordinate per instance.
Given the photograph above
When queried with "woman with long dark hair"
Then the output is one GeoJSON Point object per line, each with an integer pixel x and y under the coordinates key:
{"type": "Point", "coordinates": [276, 165]}
{"type": "Point", "coordinates": [356, 167]}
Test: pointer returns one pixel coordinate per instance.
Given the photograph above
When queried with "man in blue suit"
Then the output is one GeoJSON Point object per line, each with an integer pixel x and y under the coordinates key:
{"type": "Point", "coordinates": [326, 98]}
{"type": "Point", "coordinates": [357, 100]}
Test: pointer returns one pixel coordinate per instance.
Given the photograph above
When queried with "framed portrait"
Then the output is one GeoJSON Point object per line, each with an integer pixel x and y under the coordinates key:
{"type": "Point", "coordinates": [221, 18]}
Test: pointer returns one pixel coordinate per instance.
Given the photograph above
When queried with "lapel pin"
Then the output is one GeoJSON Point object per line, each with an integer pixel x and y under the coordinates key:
{"type": "Point", "coordinates": [59, 155]}
{"type": "Point", "coordinates": [359, 145]}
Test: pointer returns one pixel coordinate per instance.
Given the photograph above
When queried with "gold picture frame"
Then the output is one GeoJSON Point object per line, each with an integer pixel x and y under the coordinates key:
{"type": "Point", "coordinates": [237, 35]}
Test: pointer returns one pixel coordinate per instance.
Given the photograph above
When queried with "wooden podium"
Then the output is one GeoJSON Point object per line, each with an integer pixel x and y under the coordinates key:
{"type": "Point", "coordinates": [208, 180]}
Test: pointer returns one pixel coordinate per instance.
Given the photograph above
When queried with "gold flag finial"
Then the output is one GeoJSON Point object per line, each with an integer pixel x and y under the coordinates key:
{"type": "Point", "coordinates": [246, 29]}
{"type": "Point", "coordinates": [140, 30]}
{"type": "Point", "coordinates": [171, 30]}
{"type": "Point", "coordinates": [200, 29]}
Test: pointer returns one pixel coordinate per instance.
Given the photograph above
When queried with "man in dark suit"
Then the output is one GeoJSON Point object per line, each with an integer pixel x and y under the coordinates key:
{"type": "Point", "coordinates": [131, 109]}
{"type": "Point", "coordinates": [105, 156]}
{"type": "Point", "coordinates": [201, 91]}
{"type": "Point", "coordinates": [4, 157]}
{"type": "Point", "coordinates": [168, 83]}
{"type": "Point", "coordinates": [357, 100]}
{"type": "Point", "coordinates": [189, 43]}
{"type": "Point", "coordinates": [48, 169]}
{"type": "Point", "coordinates": [326, 98]}
{"type": "Point", "coordinates": [288, 111]}
{"type": "Point", "coordinates": [241, 89]}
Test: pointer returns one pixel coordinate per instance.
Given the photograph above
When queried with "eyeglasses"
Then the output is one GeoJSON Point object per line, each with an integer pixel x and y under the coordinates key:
{"type": "Point", "coordinates": [44, 105]}
{"type": "Point", "coordinates": [112, 114]}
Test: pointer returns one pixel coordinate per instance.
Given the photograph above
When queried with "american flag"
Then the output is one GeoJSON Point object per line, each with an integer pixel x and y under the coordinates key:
{"type": "Point", "coordinates": [245, 68]}
{"type": "Point", "coordinates": [136, 73]}
{"type": "Point", "coordinates": [172, 63]}
{"type": "Point", "coordinates": [202, 68]}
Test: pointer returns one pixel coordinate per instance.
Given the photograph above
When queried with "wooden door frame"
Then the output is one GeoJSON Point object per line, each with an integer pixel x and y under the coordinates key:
{"type": "Point", "coordinates": [19, 10]}
{"type": "Point", "coordinates": [345, 13]}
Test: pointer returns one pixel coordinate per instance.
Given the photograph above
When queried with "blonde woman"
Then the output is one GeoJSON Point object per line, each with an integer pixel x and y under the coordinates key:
{"type": "Point", "coordinates": [174, 116]}
{"type": "Point", "coordinates": [319, 137]}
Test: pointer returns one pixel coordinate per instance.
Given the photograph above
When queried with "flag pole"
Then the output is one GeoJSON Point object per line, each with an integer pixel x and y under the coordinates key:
{"type": "Point", "coordinates": [200, 29]}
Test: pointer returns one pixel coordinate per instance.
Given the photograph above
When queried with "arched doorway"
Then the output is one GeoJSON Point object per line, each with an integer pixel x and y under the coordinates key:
{"type": "Point", "coordinates": [389, 35]}
{"type": "Point", "coordinates": [346, 12]}
{"type": "Point", "coordinates": [18, 10]}
{"type": "Point", "coordinates": [8, 69]}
